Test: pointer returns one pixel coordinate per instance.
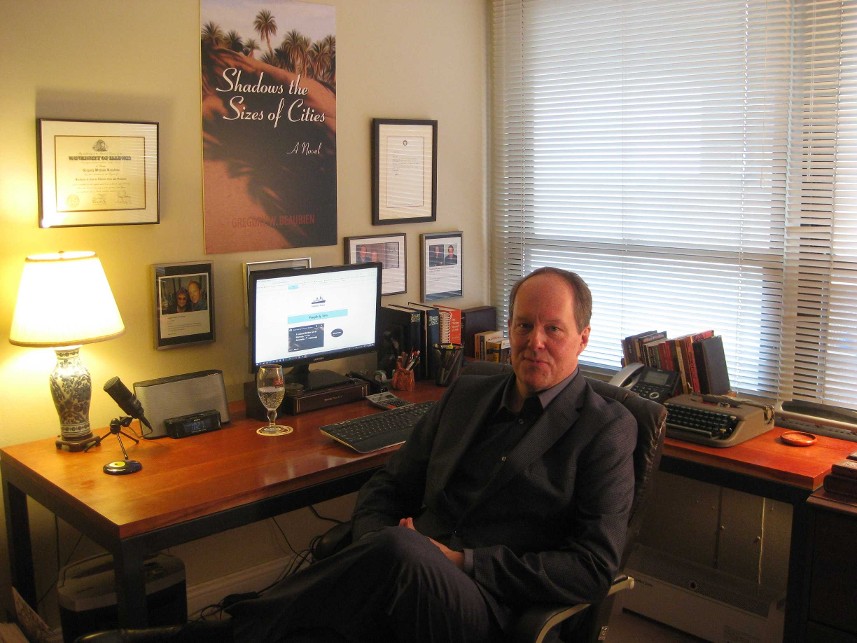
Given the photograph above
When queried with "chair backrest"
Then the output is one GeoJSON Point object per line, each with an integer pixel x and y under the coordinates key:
{"type": "Point", "coordinates": [651, 429]}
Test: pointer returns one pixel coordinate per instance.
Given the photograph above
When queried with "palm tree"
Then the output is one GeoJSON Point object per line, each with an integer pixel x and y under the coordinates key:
{"type": "Point", "coordinates": [266, 25]}
{"type": "Point", "coordinates": [233, 41]}
{"type": "Point", "coordinates": [322, 56]}
{"type": "Point", "coordinates": [250, 46]}
{"type": "Point", "coordinates": [295, 46]}
{"type": "Point", "coordinates": [212, 34]}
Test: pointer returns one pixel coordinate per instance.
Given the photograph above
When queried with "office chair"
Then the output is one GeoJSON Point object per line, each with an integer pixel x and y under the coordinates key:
{"type": "Point", "coordinates": [537, 622]}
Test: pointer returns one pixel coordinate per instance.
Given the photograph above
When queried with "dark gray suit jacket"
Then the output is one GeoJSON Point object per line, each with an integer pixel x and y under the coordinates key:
{"type": "Point", "coordinates": [551, 526]}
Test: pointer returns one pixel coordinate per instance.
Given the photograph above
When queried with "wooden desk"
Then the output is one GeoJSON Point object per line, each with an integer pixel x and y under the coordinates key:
{"type": "Point", "coordinates": [766, 466]}
{"type": "Point", "coordinates": [188, 488]}
{"type": "Point", "coordinates": [208, 483]}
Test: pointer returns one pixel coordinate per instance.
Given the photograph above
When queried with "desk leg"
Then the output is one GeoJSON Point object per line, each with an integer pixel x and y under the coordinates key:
{"type": "Point", "coordinates": [796, 607]}
{"type": "Point", "coordinates": [23, 575]}
{"type": "Point", "coordinates": [130, 585]}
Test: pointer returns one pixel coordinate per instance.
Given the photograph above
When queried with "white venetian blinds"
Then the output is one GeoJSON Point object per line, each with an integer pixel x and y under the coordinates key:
{"type": "Point", "coordinates": [696, 162]}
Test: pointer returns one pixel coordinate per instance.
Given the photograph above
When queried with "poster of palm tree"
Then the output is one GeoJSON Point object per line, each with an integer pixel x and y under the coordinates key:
{"type": "Point", "coordinates": [269, 124]}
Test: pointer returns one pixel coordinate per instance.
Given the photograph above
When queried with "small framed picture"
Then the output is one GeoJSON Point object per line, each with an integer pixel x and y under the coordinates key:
{"type": "Point", "coordinates": [390, 250]}
{"type": "Point", "coordinates": [253, 266]}
{"type": "Point", "coordinates": [441, 265]}
{"type": "Point", "coordinates": [184, 304]}
{"type": "Point", "coordinates": [97, 173]}
{"type": "Point", "coordinates": [404, 171]}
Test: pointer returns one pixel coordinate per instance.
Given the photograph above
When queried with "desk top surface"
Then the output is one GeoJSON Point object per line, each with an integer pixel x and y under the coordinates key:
{"type": "Point", "coordinates": [767, 456]}
{"type": "Point", "coordinates": [199, 475]}
{"type": "Point", "coordinates": [211, 472]}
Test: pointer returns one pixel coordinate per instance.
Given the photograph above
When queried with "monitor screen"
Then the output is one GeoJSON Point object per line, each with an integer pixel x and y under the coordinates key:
{"type": "Point", "coordinates": [304, 315]}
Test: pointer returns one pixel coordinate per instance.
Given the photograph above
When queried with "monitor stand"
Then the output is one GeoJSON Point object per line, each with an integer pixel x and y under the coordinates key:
{"type": "Point", "coordinates": [313, 380]}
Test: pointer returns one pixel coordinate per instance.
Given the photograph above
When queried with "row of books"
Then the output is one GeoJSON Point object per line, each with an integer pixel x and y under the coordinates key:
{"type": "Point", "coordinates": [492, 346]}
{"type": "Point", "coordinates": [699, 358]}
{"type": "Point", "coordinates": [842, 479]}
{"type": "Point", "coordinates": [417, 326]}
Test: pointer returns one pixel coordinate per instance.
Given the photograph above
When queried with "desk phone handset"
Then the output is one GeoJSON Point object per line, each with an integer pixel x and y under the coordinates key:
{"type": "Point", "coordinates": [649, 382]}
{"type": "Point", "coordinates": [715, 420]}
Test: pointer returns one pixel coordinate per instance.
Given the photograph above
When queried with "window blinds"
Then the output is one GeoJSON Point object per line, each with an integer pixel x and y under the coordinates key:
{"type": "Point", "coordinates": [696, 163]}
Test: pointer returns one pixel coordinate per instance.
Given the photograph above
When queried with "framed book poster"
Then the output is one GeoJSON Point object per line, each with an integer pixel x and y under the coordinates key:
{"type": "Point", "coordinates": [441, 265]}
{"type": "Point", "coordinates": [97, 173]}
{"type": "Point", "coordinates": [388, 249]}
{"type": "Point", "coordinates": [404, 171]}
{"type": "Point", "coordinates": [184, 304]}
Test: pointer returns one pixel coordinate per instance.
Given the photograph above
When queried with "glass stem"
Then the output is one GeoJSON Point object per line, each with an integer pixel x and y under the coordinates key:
{"type": "Point", "coordinates": [272, 417]}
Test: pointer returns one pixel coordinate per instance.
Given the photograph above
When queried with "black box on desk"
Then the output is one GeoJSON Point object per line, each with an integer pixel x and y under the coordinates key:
{"type": "Point", "coordinates": [86, 593]}
{"type": "Point", "coordinates": [306, 400]}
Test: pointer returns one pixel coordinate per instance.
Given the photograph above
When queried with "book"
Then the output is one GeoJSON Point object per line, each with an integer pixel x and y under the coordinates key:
{"type": "Point", "coordinates": [399, 333]}
{"type": "Point", "coordinates": [845, 468]}
{"type": "Point", "coordinates": [450, 324]}
{"type": "Point", "coordinates": [841, 485]}
{"type": "Point", "coordinates": [475, 320]}
{"type": "Point", "coordinates": [422, 369]}
{"type": "Point", "coordinates": [713, 374]}
{"type": "Point", "coordinates": [481, 339]}
{"type": "Point", "coordinates": [498, 350]}
{"type": "Point", "coordinates": [632, 345]}
{"type": "Point", "coordinates": [431, 324]}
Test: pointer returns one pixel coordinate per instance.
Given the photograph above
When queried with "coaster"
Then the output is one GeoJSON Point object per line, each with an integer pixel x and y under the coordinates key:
{"type": "Point", "coordinates": [798, 438]}
{"type": "Point", "coordinates": [281, 430]}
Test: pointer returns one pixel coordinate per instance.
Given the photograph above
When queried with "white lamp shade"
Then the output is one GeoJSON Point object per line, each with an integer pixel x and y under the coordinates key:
{"type": "Point", "coordinates": [64, 300]}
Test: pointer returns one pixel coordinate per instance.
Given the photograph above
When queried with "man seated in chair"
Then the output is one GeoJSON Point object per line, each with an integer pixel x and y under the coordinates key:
{"type": "Point", "coordinates": [514, 489]}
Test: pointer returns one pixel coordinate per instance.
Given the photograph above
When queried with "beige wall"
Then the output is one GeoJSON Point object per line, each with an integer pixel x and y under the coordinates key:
{"type": "Point", "coordinates": [139, 61]}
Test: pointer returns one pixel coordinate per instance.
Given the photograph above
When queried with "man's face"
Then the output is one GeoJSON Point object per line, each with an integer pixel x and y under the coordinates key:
{"type": "Point", "coordinates": [193, 290]}
{"type": "Point", "coordinates": [543, 335]}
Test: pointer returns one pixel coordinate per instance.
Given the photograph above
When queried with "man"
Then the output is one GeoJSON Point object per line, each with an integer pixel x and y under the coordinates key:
{"type": "Point", "coordinates": [513, 489]}
{"type": "Point", "coordinates": [197, 301]}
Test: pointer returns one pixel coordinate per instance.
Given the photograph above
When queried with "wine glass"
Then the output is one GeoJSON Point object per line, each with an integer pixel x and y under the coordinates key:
{"type": "Point", "coordinates": [272, 390]}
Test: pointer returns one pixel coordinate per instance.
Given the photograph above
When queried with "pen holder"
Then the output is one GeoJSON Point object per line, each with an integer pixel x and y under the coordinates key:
{"type": "Point", "coordinates": [403, 379]}
{"type": "Point", "coordinates": [447, 363]}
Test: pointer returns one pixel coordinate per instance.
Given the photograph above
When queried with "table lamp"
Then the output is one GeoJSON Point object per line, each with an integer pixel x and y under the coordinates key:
{"type": "Point", "coordinates": [64, 301]}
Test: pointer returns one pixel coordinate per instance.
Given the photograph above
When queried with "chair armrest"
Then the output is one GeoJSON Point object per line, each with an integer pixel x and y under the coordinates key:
{"type": "Point", "coordinates": [534, 624]}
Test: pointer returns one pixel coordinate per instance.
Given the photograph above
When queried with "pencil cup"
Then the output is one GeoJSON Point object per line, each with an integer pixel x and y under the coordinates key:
{"type": "Point", "coordinates": [403, 379]}
{"type": "Point", "coordinates": [447, 363]}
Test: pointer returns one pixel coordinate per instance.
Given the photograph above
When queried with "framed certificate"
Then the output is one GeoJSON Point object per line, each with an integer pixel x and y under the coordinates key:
{"type": "Point", "coordinates": [404, 171]}
{"type": "Point", "coordinates": [97, 173]}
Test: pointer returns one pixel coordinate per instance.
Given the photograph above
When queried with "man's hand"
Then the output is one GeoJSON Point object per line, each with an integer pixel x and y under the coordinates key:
{"type": "Point", "coordinates": [455, 557]}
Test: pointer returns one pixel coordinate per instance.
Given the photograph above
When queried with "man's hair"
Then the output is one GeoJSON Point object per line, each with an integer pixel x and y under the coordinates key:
{"type": "Point", "coordinates": [582, 294]}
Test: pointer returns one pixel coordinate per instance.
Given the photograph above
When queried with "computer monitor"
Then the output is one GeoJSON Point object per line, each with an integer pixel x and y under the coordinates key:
{"type": "Point", "coordinates": [299, 316]}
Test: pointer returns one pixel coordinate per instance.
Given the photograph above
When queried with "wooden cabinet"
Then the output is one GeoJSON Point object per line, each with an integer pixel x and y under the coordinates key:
{"type": "Point", "coordinates": [832, 573]}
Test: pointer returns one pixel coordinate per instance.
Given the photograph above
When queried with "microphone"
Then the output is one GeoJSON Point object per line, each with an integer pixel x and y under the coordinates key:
{"type": "Point", "coordinates": [126, 400]}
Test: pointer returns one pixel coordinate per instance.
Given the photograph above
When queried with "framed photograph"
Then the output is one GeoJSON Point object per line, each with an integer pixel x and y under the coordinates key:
{"type": "Point", "coordinates": [441, 265]}
{"type": "Point", "coordinates": [390, 250]}
{"type": "Point", "coordinates": [252, 266]}
{"type": "Point", "coordinates": [404, 171]}
{"type": "Point", "coordinates": [97, 173]}
{"type": "Point", "coordinates": [184, 304]}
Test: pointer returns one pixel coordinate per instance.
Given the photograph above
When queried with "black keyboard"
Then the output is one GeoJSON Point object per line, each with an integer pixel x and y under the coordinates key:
{"type": "Point", "coordinates": [711, 425]}
{"type": "Point", "coordinates": [379, 430]}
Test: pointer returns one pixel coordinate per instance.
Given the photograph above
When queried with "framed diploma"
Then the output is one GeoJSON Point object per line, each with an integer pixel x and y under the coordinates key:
{"type": "Point", "coordinates": [404, 171]}
{"type": "Point", "coordinates": [390, 251]}
{"type": "Point", "coordinates": [184, 304]}
{"type": "Point", "coordinates": [441, 265]}
{"type": "Point", "coordinates": [97, 173]}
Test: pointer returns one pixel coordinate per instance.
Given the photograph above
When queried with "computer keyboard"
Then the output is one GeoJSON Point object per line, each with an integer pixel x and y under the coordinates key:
{"type": "Point", "coordinates": [379, 430]}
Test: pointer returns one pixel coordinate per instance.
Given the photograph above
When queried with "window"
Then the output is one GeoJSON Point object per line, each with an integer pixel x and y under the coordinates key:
{"type": "Point", "coordinates": [696, 163]}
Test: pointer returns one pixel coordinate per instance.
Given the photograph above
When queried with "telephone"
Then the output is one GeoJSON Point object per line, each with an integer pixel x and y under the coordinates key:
{"type": "Point", "coordinates": [649, 382]}
{"type": "Point", "coordinates": [716, 420]}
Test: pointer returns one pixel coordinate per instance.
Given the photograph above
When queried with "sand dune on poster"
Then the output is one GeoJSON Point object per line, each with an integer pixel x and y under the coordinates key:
{"type": "Point", "coordinates": [268, 183]}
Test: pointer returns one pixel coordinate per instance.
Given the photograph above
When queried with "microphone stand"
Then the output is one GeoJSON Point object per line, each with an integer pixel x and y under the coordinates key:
{"type": "Point", "coordinates": [119, 467]}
